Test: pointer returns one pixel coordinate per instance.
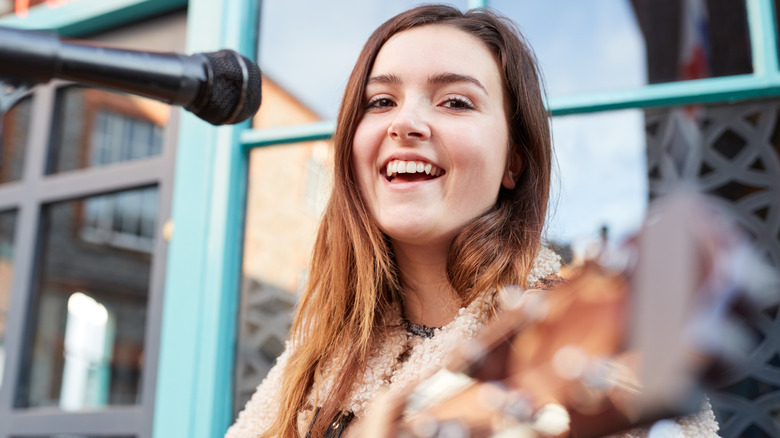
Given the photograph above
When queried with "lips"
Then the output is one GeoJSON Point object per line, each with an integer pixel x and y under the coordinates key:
{"type": "Point", "coordinates": [411, 170]}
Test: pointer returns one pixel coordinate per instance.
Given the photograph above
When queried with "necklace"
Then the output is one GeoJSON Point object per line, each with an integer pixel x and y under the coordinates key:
{"type": "Point", "coordinates": [421, 330]}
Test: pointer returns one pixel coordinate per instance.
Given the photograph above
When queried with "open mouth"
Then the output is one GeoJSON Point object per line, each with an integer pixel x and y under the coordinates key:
{"type": "Point", "coordinates": [411, 171]}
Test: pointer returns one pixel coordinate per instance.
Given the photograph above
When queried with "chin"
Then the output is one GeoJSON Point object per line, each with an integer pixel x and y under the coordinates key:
{"type": "Point", "coordinates": [418, 236]}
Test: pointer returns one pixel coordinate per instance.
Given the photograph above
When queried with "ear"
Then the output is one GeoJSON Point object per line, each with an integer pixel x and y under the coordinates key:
{"type": "Point", "coordinates": [514, 167]}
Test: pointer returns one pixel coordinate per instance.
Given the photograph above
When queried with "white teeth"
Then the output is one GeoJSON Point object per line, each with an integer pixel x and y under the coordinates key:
{"type": "Point", "coordinates": [400, 166]}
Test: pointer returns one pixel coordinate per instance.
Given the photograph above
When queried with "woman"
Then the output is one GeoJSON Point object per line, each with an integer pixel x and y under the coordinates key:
{"type": "Point", "coordinates": [442, 174]}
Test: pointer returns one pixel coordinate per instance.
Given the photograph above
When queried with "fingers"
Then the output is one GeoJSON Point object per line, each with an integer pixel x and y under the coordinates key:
{"type": "Point", "coordinates": [383, 417]}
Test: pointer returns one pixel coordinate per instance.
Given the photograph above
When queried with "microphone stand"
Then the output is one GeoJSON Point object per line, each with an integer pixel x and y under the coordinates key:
{"type": "Point", "coordinates": [11, 92]}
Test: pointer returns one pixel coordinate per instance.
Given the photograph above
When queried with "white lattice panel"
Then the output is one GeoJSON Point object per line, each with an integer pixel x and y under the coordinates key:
{"type": "Point", "coordinates": [733, 153]}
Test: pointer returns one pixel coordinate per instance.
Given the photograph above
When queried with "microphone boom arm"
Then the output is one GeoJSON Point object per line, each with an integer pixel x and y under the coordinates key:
{"type": "Point", "coordinates": [220, 87]}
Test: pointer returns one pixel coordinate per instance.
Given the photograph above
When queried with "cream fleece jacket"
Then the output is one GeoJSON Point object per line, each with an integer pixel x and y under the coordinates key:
{"type": "Point", "coordinates": [423, 357]}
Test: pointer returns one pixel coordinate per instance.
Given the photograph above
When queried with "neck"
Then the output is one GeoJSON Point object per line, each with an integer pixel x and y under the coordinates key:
{"type": "Point", "coordinates": [429, 298]}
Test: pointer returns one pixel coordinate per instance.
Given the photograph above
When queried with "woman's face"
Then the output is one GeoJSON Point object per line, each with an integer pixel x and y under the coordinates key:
{"type": "Point", "coordinates": [430, 152]}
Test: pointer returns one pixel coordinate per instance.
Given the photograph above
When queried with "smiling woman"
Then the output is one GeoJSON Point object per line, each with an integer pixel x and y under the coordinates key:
{"type": "Point", "coordinates": [402, 251]}
{"type": "Point", "coordinates": [441, 181]}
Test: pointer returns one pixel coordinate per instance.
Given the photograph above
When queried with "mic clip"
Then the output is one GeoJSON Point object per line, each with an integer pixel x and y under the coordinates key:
{"type": "Point", "coordinates": [12, 91]}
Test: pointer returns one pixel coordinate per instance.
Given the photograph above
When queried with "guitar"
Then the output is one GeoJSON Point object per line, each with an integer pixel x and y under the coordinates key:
{"type": "Point", "coordinates": [623, 343]}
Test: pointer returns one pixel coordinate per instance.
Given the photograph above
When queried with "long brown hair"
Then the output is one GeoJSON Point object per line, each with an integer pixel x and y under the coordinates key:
{"type": "Point", "coordinates": [353, 279]}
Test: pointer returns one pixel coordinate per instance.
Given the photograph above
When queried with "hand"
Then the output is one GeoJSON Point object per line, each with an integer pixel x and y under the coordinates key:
{"type": "Point", "coordinates": [382, 419]}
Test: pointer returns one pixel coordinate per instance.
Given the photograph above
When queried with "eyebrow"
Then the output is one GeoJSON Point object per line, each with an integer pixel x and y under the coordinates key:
{"type": "Point", "coordinates": [450, 78]}
{"type": "Point", "coordinates": [438, 78]}
{"type": "Point", "coordinates": [384, 79]}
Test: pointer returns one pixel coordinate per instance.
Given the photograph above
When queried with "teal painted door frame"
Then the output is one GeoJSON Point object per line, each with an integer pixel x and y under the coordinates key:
{"type": "Point", "coordinates": [194, 396]}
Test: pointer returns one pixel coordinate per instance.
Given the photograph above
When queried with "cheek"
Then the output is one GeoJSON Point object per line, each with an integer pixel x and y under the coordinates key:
{"type": "Point", "coordinates": [484, 166]}
{"type": "Point", "coordinates": [483, 153]}
{"type": "Point", "coordinates": [363, 153]}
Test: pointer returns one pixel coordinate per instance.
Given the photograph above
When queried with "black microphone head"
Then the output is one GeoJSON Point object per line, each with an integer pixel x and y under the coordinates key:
{"type": "Point", "coordinates": [234, 90]}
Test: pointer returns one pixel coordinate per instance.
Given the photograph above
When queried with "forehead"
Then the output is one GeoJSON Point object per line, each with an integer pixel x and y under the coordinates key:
{"type": "Point", "coordinates": [437, 48]}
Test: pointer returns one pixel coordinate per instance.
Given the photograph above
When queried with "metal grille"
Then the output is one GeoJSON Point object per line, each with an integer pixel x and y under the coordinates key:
{"type": "Point", "coordinates": [265, 320]}
{"type": "Point", "coordinates": [732, 152]}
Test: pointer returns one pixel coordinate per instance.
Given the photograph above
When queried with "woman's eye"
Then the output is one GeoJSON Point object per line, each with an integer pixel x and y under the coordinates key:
{"type": "Point", "coordinates": [381, 102]}
{"type": "Point", "coordinates": [458, 103]}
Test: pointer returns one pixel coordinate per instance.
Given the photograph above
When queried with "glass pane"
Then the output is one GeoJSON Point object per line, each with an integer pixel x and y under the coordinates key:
{"type": "Point", "coordinates": [95, 127]}
{"type": "Point", "coordinates": [13, 142]}
{"type": "Point", "coordinates": [615, 44]}
{"type": "Point", "coordinates": [602, 180]}
{"type": "Point", "coordinates": [7, 233]}
{"type": "Point", "coordinates": [86, 347]}
{"type": "Point", "coordinates": [284, 205]}
{"type": "Point", "coordinates": [611, 163]}
{"type": "Point", "coordinates": [307, 50]}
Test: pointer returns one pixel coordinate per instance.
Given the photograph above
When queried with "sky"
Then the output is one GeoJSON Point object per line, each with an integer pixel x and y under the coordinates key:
{"type": "Point", "coordinates": [309, 47]}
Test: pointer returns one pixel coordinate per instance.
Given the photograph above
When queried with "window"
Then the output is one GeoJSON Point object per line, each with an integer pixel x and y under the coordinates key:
{"type": "Point", "coordinates": [87, 347]}
{"type": "Point", "coordinates": [85, 187]}
{"type": "Point", "coordinates": [125, 220]}
{"type": "Point", "coordinates": [96, 128]}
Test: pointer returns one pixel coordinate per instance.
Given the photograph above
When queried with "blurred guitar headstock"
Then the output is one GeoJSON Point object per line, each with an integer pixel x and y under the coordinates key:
{"type": "Point", "coordinates": [634, 336]}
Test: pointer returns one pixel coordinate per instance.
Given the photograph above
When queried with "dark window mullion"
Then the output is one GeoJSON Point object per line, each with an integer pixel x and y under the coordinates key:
{"type": "Point", "coordinates": [25, 244]}
{"type": "Point", "coordinates": [103, 179]}
{"type": "Point", "coordinates": [157, 278]}
{"type": "Point", "coordinates": [11, 196]}
{"type": "Point", "coordinates": [24, 255]}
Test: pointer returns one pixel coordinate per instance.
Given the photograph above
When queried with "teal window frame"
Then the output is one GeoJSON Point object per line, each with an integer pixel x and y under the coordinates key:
{"type": "Point", "coordinates": [202, 407]}
{"type": "Point", "coordinates": [84, 17]}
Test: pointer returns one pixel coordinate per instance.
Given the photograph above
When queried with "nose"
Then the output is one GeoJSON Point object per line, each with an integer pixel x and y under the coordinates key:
{"type": "Point", "coordinates": [409, 123]}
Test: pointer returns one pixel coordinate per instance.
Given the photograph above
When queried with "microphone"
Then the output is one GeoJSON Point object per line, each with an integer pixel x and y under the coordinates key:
{"type": "Point", "coordinates": [220, 87]}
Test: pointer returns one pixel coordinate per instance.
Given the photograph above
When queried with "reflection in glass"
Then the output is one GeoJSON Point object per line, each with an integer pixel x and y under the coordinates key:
{"type": "Point", "coordinates": [692, 39]}
{"type": "Point", "coordinates": [89, 343]}
{"type": "Point", "coordinates": [618, 44]}
{"type": "Point", "coordinates": [307, 50]}
{"type": "Point", "coordinates": [7, 232]}
{"type": "Point", "coordinates": [283, 209]}
{"type": "Point", "coordinates": [13, 142]}
{"type": "Point", "coordinates": [96, 127]}
{"type": "Point", "coordinates": [89, 314]}
{"type": "Point", "coordinates": [602, 184]}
